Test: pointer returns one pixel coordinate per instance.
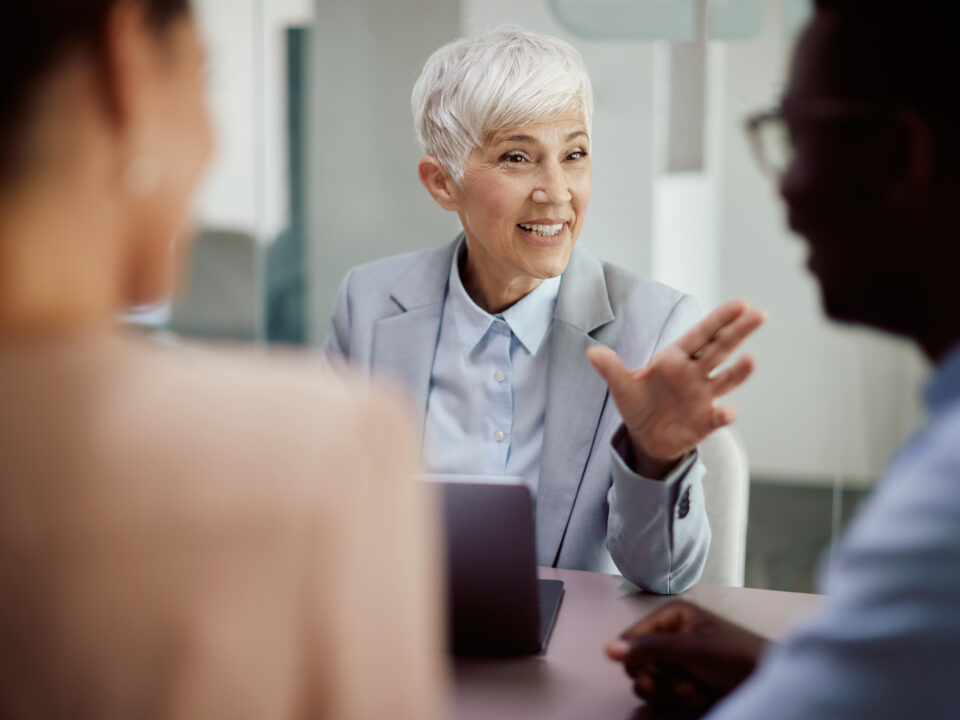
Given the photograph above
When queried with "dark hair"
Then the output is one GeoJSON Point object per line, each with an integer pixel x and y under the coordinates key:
{"type": "Point", "coordinates": [35, 35]}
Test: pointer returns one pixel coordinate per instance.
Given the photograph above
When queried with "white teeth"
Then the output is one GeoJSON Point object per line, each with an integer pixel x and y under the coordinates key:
{"type": "Point", "coordinates": [545, 230]}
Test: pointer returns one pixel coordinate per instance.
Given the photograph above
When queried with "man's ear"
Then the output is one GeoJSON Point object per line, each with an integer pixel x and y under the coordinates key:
{"type": "Point", "coordinates": [438, 183]}
{"type": "Point", "coordinates": [916, 159]}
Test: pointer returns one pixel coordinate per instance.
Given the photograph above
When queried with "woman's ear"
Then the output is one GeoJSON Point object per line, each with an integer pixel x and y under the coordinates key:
{"type": "Point", "coordinates": [438, 183]}
{"type": "Point", "coordinates": [125, 64]}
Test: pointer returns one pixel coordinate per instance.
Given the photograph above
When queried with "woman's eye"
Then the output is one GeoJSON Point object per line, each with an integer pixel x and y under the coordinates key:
{"type": "Point", "coordinates": [515, 158]}
{"type": "Point", "coordinates": [577, 155]}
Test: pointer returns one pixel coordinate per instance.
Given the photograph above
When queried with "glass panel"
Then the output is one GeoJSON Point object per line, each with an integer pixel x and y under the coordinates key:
{"type": "Point", "coordinates": [673, 20]}
{"type": "Point", "coordinates": [734, 20]}
{"type": "Point", "coordinates": [796, 14]}
{"type": "Point", "coordinates": [316, 173]}
{"type": "Point", "coordinates": [363, 197]}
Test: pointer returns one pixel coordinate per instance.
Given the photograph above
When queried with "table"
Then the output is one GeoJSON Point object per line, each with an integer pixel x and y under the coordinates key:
{"type": "Point", "coordinates": [574, 680]}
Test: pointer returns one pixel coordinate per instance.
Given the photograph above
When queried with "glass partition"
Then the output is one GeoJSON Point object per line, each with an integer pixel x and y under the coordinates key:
{"type": "Point", "coordinates": [605, 20]}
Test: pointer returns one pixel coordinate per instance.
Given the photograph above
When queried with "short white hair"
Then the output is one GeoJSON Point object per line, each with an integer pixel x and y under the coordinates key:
{"type": "Point", "coordinates": [472, 87]}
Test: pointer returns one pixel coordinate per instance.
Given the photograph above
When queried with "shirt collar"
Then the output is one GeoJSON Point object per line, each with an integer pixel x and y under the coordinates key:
{"type": "Point", "coordinates": [529, 318]}
{"type": "Point", "coordinates": [944, 388]}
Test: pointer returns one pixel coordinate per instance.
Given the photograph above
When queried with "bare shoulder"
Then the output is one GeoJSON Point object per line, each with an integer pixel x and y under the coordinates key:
{"type": "Point", "coordinates": [256, 420]}
{"type": "Point", "coordinates": [243, 379]}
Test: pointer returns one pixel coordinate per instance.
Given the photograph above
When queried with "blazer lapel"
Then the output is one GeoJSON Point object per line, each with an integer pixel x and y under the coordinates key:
{"type": "Point", "coordinates": [405, 344]}
{"type": "Point", "coordinates": [575, 398]}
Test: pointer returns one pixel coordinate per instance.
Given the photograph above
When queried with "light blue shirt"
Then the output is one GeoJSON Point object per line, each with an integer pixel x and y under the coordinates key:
{"type": "Point", "coordinates": [488, 389]}
{"type": "Point", "coordinates": [888, 643]}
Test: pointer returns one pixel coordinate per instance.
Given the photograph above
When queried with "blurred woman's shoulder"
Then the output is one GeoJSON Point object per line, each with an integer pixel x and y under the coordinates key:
{"type": "Point", "coordinates": [120, 414]}
{"type": "Point", "coordinates": [271, 404]}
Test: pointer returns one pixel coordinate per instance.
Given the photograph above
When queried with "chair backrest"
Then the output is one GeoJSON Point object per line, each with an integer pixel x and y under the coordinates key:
{"type": "Point", "coordinates": [221, 298]}
{"type": "Point", "coordinates": [727, 489]}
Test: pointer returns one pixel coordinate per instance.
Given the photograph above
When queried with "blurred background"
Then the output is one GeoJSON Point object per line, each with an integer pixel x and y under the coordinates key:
{"type": "Point", "coordinates": [316, 172]}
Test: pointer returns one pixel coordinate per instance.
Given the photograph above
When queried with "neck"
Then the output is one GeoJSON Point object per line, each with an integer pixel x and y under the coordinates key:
{"type": "Point", "coordinates": [59, 264]}
{"type": "Point", "coordinates": [488, 289]}
{"type": "Point", "coordinates": [928, 295]}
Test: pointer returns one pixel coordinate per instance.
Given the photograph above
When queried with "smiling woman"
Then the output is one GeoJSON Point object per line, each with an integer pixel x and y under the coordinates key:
{"type": "Point", "coordinates": [490, 332]}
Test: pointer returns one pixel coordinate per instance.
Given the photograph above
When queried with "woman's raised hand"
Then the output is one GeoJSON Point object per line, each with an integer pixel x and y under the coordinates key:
{"type": "Point", "coordinates": [669, 406]}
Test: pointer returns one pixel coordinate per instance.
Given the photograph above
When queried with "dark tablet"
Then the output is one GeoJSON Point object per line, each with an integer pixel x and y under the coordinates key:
{"type": "Point", "coordinates": [497, 606]}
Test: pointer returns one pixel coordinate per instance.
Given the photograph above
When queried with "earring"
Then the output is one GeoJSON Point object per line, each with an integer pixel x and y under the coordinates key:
{"type": "Point", "coordinates": [141, 176]}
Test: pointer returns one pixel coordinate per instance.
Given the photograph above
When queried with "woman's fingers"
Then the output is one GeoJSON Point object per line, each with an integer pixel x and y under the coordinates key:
{"type": "Point", "coordinates": [703, 332]}
{"type": "Point", "coordinates": [733, 376]}
{"type": "Point", "coordinates": [723, 415]}
{"type": "Point", "coordinates": [722, 344]}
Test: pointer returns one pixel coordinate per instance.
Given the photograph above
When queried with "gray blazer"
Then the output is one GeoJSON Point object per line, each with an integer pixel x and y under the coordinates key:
{"type": "Point", "coordinates": [593, 513]}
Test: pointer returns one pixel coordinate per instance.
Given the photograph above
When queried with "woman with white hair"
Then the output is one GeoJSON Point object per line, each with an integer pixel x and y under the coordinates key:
{"type": "Point", "coordinates": [491, 331]}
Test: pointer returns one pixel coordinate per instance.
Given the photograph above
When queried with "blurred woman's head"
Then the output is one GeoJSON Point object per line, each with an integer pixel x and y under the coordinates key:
{"type": "Point", "coordinates": [103, 120]}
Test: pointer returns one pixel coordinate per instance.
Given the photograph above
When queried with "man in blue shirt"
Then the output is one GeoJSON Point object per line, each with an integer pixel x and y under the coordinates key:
{"type": "Point", "coordinates": [872, 110]}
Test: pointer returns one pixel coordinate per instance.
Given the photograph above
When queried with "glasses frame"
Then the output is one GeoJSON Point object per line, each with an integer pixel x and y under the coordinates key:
{"type": "Point", "coordinates": [754, 130]}
{"type": "Point", "coordinates": [817, 110]}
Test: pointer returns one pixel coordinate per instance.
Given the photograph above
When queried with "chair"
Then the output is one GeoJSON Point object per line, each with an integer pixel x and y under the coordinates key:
{"type": "Point", "coordinates": [221, 298]}
{"type": "Point", "coordinates": [727, 489]}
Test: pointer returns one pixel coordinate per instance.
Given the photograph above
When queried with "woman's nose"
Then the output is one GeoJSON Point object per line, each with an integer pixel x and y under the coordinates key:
{"type": "Point", "coordinates": [553, 187]}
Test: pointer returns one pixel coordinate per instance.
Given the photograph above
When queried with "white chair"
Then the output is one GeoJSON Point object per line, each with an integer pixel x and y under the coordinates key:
{"type": "Point", "coordinates": [727, 489]}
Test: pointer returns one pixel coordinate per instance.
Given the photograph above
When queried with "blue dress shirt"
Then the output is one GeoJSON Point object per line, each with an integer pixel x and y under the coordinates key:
{"type": "Point", "coordinates": [488, 389]}
{"type": "Point", "coordinates": [888, 643]}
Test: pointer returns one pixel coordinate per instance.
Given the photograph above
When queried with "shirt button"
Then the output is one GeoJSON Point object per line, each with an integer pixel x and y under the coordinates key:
{"type": "Point", "coordinates": [501, 325]}
{"type": "Point", "coordinates": [500, 376]}
{"type": "Point", "coordinates": [498, 436]}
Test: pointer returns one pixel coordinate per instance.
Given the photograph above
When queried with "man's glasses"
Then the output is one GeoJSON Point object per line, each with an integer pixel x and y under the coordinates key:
{"type": "Point", "coordinates": [770, 136]}
{"type": "Point", "coordinates": [770, 141]}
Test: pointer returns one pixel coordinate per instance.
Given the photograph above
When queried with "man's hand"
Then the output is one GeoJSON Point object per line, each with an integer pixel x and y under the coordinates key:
{"type": "Point", "coordinates": [668, 407]}
{"type": "Point", "coordinates": [683, 659]}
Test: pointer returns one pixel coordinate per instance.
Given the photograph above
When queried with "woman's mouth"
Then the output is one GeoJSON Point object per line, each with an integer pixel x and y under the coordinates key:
{"type": "Point", "coordinates": [542, 230]}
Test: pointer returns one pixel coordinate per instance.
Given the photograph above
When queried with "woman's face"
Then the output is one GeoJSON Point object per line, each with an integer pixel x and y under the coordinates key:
{"type": "Point", "coordinates": [522, 201]}
{"type": "Point", "coordinates": [177, 137]}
